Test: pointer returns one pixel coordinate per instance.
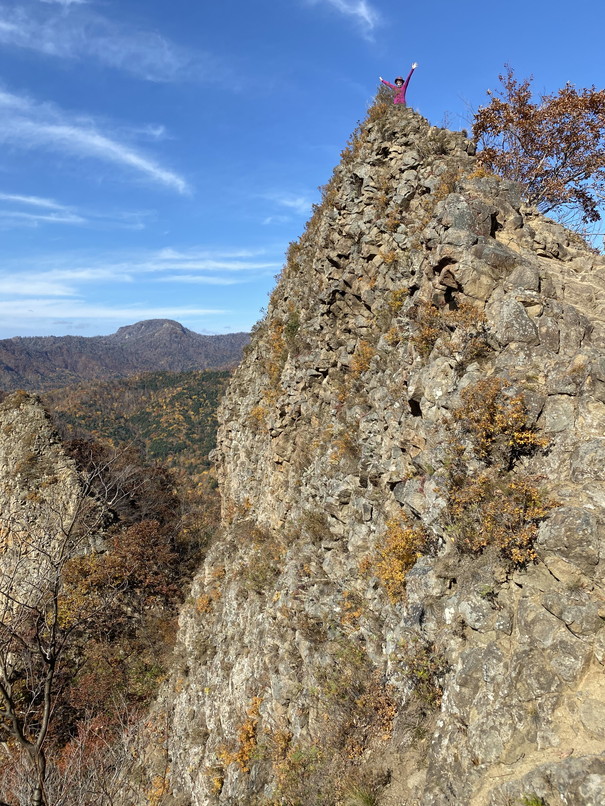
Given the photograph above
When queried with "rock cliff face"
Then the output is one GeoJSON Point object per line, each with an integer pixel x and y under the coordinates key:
{"type": "Point", "coordinates": [36, 477]}
{"type": "Point", "coordinates": [407, 603]}
{"type": "Point", "coordinates": [40, 496]}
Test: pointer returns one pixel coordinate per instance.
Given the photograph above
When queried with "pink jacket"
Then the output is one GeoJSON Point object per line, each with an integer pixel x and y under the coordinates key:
{"type": "Point", "coordinates": [399, 97]}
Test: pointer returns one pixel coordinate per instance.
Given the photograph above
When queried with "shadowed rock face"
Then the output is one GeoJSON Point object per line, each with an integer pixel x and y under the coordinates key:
{"type": "Point", "coordinates": [300, 680]}
{"type": "Point", "coordinates": [153, 345]}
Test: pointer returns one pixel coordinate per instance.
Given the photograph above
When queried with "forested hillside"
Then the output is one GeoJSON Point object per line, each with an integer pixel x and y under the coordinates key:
{"type": "Point", "coordinates": [50, 362]}
{"type": "Point", "coordinates": [144, 508]}
{"type": "Point", "coordinates": [169, 416]}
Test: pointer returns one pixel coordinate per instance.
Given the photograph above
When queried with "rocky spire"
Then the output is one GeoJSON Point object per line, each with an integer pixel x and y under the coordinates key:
{"type": "Point", "coordinates": [405, 604]}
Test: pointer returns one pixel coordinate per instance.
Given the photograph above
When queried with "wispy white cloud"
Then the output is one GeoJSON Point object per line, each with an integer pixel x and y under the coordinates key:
{"type": "Point", "coordinates": [298, 204]}
{"type": "Point", "coordinates": [168, 253]}
{"type": "Point", "coordinates": [66, 2]}
{"type": "Point", "coordinates": [15, 217]}
{"type": "Point", "coordinates": [361, 11]}
{"type": "Point", "coordinates": [75, 31]}
{"type": "Point", "coordinates": [209, 260]}
{"type": "Point", "coordinates": [39, 286]}
{"type": "Point", "coordinates": [52, 212]}
{"type": "Point", "coordinates": [69, 275]}
{"type": "Point", "coordinates": [68, 282]}
{"type": "Point", "coordinates": [35, 201]}
{"type": "Point", "coordinates": [49, 211]}
{"type": "Point", "coordinates": [276, 219]}
{"type": "Point", "coordinates": [28, 124]}
{"type": "Point", "coordinates": [42, 308]}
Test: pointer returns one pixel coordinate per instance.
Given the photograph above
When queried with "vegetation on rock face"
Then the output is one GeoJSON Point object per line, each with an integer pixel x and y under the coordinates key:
{"type": "Point", "coordinates": [493, 504]}
{"type": "Point", "coordinates": [396, 554]}
{"type": "Point", "coordinates": [496, 423]}
{"type": "Point", "coordinates": [85, 640]}
{"type": "Point", "coordinates": [247, 740]}
{"type": "Point", "coordinates": [462, 330]}
{"type": "Point", "coordinates": [555, 147]}
{"type": "Point", "coordinates": [425, 669]}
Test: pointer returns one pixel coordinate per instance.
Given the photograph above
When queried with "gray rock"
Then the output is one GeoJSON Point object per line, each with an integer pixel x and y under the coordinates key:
{"type": "Point", "coordinates": [558, 413]}
{"type": "Point", "coordinates": [588, 461]}
{"type": "Point", "coordinates": [525, 276]}
{"type": "Point", "coordinates": [512, 324]}
{"type": "Point", "coordinates": [573, 534]}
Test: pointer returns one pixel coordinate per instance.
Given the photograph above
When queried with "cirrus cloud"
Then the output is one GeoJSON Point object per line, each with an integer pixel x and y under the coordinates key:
{"type": "Point", "coordinates": [361, 11]}
{"type": "Point", "coordinates": [28, 124]}
{"type": "Point", "coordinates": [76, 32]}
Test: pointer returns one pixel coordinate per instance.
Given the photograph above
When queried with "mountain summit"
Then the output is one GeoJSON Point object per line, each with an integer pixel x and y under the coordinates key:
{"type": "Point", "coordinates": [151, 328]}
{"type": "Point", "coordinates": [48, 362]}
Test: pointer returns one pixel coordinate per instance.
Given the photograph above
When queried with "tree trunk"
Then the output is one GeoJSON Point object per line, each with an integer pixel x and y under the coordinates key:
{"type": "Point", "coordinates": [39, 760]}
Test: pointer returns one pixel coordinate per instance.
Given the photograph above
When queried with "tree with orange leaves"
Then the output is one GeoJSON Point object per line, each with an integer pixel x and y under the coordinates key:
{"type": "Point", "coordinates": [555, 147]}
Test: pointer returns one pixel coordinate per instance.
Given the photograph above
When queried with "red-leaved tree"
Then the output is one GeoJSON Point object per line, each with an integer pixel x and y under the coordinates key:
{"type": "Point", "coordinates": [554, 146]}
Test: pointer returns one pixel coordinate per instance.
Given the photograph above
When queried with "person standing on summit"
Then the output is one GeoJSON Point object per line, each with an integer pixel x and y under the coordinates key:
{"type": "Point", "coordinates": [400, 86]}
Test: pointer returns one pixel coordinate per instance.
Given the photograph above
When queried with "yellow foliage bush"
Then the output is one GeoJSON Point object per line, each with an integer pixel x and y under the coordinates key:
{"type": "Point", "coordinates": [205, 602]}
{"type": "Point", "coordinates": [503, 512]}
{"type": "Point", "coordinates": [362, 357]}
{"type": "Point", "coordinates": [429, 327]}
{"type": "Point", "coordinates": [401, 547]}
{"type": "Point", "coordinates": [247, 742]}
{"type": "Point", "coordinates": [481, 173]}
{"type": "Point", "coordinates": [257, 418]}
{"type": "Point", "coordinates": [396, 299]}
{"type": "Point", "coordinates": [378, 110]}
{"type": "Point", "coordinates": [389, 256]}
{"type": "Point", "coordinates": [495, 422]}
{"type": "Point", "coordinates": [495, 506]}
{"type": "Point", "coordinates": [352, 609]}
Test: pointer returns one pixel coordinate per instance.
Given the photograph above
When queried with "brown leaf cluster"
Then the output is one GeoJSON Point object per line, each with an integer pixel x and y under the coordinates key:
{"type": "Point", "coordinates": [554, 146]}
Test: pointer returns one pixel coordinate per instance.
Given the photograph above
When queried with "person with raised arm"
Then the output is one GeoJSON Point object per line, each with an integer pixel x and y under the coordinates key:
{"type": "Point", "coordinates": [400, 86]}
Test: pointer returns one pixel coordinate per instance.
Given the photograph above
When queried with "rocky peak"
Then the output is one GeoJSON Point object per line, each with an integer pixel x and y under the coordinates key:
{"type": "Point", "coordinates": [151, 328]}
{"type": "Point", "coordinates": [406, 602]}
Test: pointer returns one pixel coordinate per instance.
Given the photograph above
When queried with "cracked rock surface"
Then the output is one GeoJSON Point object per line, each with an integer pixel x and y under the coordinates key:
{"type": "Point", "coordinates": [295, 668]}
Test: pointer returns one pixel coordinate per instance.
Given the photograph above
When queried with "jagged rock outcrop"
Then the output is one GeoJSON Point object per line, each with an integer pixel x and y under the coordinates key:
{"type": "Point", "coordinates": [40, 497]}
{"type": "Point", "coordinates": [36, 476]}
{"type": "Point", "coordinates": [425, 398]}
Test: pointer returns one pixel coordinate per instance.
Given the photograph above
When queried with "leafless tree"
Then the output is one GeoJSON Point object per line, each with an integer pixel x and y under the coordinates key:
{"type": "Point", "coordinates": [42, 619]}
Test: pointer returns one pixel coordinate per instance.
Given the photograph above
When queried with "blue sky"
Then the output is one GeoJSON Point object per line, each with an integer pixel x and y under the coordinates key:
{"type": "Point", "coordinates": [157, 158]}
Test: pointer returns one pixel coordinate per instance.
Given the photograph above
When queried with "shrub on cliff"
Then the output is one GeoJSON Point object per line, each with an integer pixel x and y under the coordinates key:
{"type": "Point", "coordinates": [555, 146]}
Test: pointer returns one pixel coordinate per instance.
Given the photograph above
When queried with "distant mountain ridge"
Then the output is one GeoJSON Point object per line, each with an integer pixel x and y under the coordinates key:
{"type": "Point", "coordinates": [47, 362]}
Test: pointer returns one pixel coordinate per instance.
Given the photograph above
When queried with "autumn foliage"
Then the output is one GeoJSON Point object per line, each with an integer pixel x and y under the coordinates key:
{"type": "Point", "coordinates": [85, 642]}
{"type": "Point", "coordinates": [491, 502]}
{"type": "Point", "coordinates": [554, 146]}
